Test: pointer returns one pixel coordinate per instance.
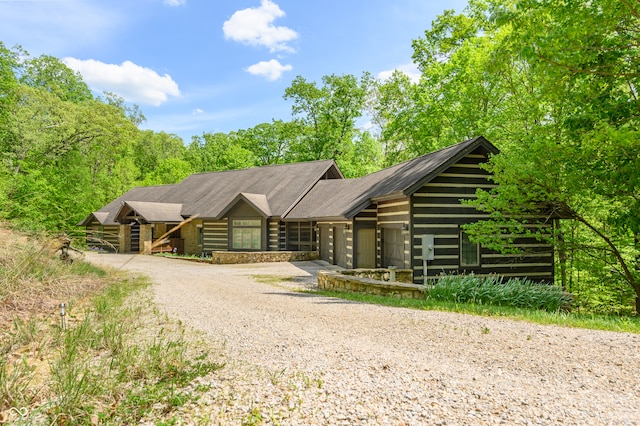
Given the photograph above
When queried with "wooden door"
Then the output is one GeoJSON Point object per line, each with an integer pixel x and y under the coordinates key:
{"type": "Point", "coordinates": [339, 247]}
{"type": "Point", "coordinates": [135, 238]}
{"type": "Point", "coordinates": [366, 248]}
{"type": "Point", "coordinates": [324, 243]}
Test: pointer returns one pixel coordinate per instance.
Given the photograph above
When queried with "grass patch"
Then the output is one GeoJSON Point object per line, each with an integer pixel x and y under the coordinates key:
{"type": "Point", "coordinates": [272, 279]}
{"type": "Point", "coordinates": [630, 324]}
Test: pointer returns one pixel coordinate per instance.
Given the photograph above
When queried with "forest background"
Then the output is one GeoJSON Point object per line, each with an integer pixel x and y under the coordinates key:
{"type": "Point", "coordinates": [552, 83]}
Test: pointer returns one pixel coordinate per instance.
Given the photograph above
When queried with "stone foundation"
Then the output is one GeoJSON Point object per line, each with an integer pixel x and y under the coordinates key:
{"type": "Point", "coordinates": [236, 257]}
{"type": "Point", "coordinates": [358, 281]}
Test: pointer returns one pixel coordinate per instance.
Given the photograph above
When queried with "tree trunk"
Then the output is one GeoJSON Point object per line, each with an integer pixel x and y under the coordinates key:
{"type": "Point", "coordinates": [628, 276]}
{"type": "Point", "coordinates": [562, 256]}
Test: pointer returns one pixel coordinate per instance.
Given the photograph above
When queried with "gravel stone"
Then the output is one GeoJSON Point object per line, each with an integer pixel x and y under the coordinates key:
{"type": "Point", "coordinates": [301, 359]}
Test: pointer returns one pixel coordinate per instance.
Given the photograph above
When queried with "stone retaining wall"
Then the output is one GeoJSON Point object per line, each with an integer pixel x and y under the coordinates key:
{"type": "Point", "coordinates": [381, 274]}
{"type": "Point", "coordinates": [235, 257]}
{"type": "Point", "coordinates": [349, 280]}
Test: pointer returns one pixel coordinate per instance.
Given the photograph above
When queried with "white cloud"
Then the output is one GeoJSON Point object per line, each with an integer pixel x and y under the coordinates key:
{"type": "Point", "coordinates": [175, 2]}
{"type": "Point", "coordinates": [254, 26]}
{"type": "Point", "coordinates": [197, 111]}
{"type": "Point", "coordinates": [410, 69]}
{"type": "Point", "coordinates": [133, 82]}
{"type": "Point", "coordinates": [271, 70]}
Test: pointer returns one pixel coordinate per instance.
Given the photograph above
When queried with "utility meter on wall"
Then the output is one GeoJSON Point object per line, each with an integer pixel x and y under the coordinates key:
{"type": "Point", "coordinates": [428, 247]}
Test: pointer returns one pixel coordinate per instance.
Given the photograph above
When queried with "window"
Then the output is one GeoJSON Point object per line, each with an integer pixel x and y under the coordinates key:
{"type": "Point", "coordinates": [299, 236]}
{"type": "Point", "coordinates": [200, 235]}
{"type": "Point", "coordinates": [247, 234]}
{"type": "Point", "coordinates": [469, 251]}
{"type": "Point", "coordinates": [100, 233]}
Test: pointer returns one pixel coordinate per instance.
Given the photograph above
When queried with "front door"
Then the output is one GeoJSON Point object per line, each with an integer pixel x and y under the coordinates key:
{"type": "Point", "coordinates": [339, 247]}
{"type": "Point", "coordinates": [366, 248]}
{"type": "Point", "coordinates": [324, 243]}
{"type": "Point", "coordinates": [135, 238]}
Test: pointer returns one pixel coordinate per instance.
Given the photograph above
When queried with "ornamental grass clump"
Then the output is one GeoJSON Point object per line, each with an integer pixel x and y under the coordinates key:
{"type": "Point", "coordinates": [493, 290]}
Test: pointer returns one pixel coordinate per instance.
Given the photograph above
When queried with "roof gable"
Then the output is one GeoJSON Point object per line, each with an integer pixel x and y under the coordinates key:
{"type": "Point", "coordinates": [258, 202]}
{"type": "Point", "coordinates": [100, 217]}
{"type": "Point", "coordinates": [346, 198]}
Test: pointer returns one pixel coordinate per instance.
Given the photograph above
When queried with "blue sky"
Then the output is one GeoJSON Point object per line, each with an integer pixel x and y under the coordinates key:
{"type": "Point", "coordinates": [196, 66]}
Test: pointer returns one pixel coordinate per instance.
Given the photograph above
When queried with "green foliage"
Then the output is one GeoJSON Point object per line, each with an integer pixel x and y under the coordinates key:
{"type": "Point", "coordinates": [151, 149]}
{"type": "Point", "coordinates": [553, 83]}
{"type": "Point", "coordinates": [327, 116]}
{"type": "Point", "coordinates": [218, 151]}
{"type": "Point", "coordinates": [50, 74]}
{"type": "Point", "coordinates": [169, 170]}
{"type": "Point", "coordinates": [549, 82]}
{"type": "Point", "coordinates": [495, 291]}
{"type": "Point", "coordinates": [271, 142]}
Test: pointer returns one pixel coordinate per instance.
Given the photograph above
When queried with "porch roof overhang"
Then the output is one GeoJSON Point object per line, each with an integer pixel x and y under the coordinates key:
{"type": "Point", "coordinates": [151, 212]}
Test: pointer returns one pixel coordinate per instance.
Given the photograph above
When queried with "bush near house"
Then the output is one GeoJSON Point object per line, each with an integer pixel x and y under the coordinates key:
{"type": "Point", "coordinates": [494, 290]}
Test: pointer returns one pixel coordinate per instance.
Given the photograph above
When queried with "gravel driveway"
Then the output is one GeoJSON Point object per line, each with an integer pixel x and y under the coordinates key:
{"type": "Point", "coordinates": [305, 359]}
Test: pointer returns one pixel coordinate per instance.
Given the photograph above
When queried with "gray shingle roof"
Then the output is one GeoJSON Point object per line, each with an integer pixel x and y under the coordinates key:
{"type": "Point", "coordinates": [294, 191]}
{"type": "Point", "coordinates": [345, 198]}
{"type": "Point", "coordinates": [275, 189]}
{"type": "Point", "coordinates": [155, 212]}
{"type": "Point", "coordinates": [107, 214]}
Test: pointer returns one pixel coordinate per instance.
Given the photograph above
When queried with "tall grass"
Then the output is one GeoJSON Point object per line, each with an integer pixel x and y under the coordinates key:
{"type": "Point", "coordinates": [116, 362]}
{"type": "Point", "coordinates": [519, 293]}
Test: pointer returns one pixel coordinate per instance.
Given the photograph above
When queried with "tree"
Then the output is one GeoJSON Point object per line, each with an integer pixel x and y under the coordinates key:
{"type": "Point", "coordinates": [554, 84]}
{"type": "Point", "coordinates": [151, 148]}
{"type": "Point", "coordinates": [328, 114]}
{"type": "Point", "coordinates": [64, 153]}
{"type": "Point", "coordinates": [51, 74]}
{"type": "Point", "coordinates": [218, 151]}
{"type": "Point", "coordinates": [9, 62]}
{"type": "Point", "coordinates": [168, 170]}
{"type": "Point", "coordinates": [271, 142]}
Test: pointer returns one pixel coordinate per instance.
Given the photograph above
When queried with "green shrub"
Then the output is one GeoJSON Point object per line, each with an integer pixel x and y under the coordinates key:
{"type": "Point", "coordinates": [493, 290]}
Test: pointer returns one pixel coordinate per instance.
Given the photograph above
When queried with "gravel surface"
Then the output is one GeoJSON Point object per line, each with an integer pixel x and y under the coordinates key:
{"type": "Point", "coordinates": [295, 358]}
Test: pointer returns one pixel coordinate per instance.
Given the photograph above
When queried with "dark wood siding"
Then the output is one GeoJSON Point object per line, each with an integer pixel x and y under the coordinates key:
{"type": "Point", "coordinates": [337, 240]}
{"type": "Point", "coordinates": [215, 236]}
{"type": "Point", "coordinates": [104, 237]}
{"type": "Point", "coordinates": [437, 210]}
{"type": "Point", "coordinates": [135, 238]}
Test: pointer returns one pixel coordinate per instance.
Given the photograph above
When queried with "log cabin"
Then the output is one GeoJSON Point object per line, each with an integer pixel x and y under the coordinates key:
{"type": "Point", "coordinates": [407, 216]}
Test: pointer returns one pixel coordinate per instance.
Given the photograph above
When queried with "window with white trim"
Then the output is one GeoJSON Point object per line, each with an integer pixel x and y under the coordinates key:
{"type": "Point", "coordinates": [247, 234]}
